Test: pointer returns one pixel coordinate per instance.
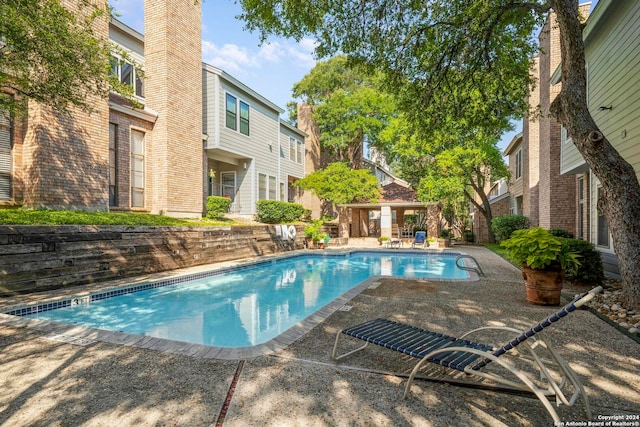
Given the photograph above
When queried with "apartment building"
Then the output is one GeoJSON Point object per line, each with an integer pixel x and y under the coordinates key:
{"type": "Point", "coordinates": [612, 56]}
{"type": "Point", "coordinates": [551, 183]}
{"type": "Point", "coordinates": [194, 131]}
{"type": "Point", "coordinates": [251, 154]}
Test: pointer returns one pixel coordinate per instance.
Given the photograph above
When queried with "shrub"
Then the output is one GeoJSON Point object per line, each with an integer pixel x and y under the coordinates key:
{"type": "Point", "coordinates": [538, 249]}
{"type": "Point", "coordinates": [276, 212]}
{"type": "Point", "coordinates": [561, 232]}
{"type": "Point", "coordinates": [590, 270]}
{"type": "Point", "coordinates": [503, 226]}
{"type": "Point", "coordinates": [217, 206]}
{"type": "Point", "coordinates": [469, 236]}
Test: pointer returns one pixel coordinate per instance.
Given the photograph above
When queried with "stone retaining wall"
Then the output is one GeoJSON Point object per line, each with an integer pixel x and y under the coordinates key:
{"type": "Point", "coordinates": [36, 258]}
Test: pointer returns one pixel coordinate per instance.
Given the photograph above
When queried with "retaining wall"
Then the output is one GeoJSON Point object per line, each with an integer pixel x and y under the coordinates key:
{"type": "Point", "coordinates": [36, 258]}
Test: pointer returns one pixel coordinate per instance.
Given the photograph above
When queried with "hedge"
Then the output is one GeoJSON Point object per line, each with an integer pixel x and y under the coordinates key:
{"type": "Point", "coordinates": [217, 206]}
{"type": "Point", "coordinates": [503, 226]}
{"type": "Point", "coordinates": [276, 212]}
{"type": "Point", "coordinates": [590, 270]}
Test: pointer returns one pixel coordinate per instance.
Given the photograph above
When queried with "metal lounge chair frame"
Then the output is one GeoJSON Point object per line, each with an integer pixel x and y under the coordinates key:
{"type": "Point", "coordinates": [468, 357]}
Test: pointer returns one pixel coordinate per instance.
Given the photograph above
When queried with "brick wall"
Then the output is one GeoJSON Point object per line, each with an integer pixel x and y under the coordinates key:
{"type": "Point", "coordinates": [173, 69]}
{"type": "Point", "coordinates": [557, 207]}
{"type": "Point", "coordinates": [36, 258]}
{"type": "Point", "coordinates": [64, 162]}
{"type": "Point", "coordinates": [480, 230]}
{"type": "Point", "coordinates": [531, 152]}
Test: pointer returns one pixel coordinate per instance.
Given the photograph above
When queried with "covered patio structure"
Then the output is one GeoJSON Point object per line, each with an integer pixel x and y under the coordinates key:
{"type": "Point", "coordinates": [389, 219]}
{"type": "Point", "coordinates": [398, 214]}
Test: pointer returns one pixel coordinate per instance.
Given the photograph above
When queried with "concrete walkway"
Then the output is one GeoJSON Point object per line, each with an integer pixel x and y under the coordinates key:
{"type": "Point", "coordinates": [45, 382]}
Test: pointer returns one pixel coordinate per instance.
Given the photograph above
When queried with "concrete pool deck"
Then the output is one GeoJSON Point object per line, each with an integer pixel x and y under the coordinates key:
{"type": "Point", "coordinates": [45, 381]}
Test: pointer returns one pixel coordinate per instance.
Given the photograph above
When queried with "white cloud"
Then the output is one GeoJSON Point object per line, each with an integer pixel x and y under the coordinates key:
{"type": "Point", "coordinates": [271, 52]}
{"type": "Point", "coordinates": [230, 57]}
{"type": "Point", "coordinates": [238, 59]}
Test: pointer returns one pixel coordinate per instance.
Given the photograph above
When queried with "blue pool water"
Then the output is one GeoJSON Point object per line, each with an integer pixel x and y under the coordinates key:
{"type": "Point", "coordinates": [249, 306]}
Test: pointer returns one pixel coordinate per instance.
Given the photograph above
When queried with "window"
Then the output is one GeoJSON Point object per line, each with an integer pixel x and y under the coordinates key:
{"type": "Point", "coordinates": [272, 188]}
{"type": "Point", "coordinates": [113, 164]}
{"type": "Point", "coordinates": [581, 208]}
{"type": "Point", "coordinates": [228, 185]}
{"type": "Point", "coordinates": [566, 139]}
{"type": "Point", "coordinates": [244, 118]}
{"type": "Point", "coordinates": [602, 226]}
{"type": "Point", "coordinates": [292, 149]}
{"type": "Point", "coordinates": [137, 168]}
{"type": "Point", "coordinates": [519, 164]}
{"type": "Point", "coordinates": [282, 191]}
{"type": "Point", "coordinates": [127, 74]}
{"type": "Point", "coordinates": [262, 186]}
{"type": "Point", "coordinates": [5, 157]}
{"type": "Point", "coordinates": [300, 152]}
{"type": "Point", "coordinates": [231, 112]}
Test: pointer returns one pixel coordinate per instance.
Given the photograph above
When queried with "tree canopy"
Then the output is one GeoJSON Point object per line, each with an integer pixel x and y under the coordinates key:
{"type": "Point", "coordinates": [51, 54]}
{"type": "Point", "coordinates": [349, 108]}
{"type": "Point", "coordinates": [465, 170]}
{"type": "Point", "coordinates": [338, 184]}
{"type": "Point", "coordinates": [472, 56]}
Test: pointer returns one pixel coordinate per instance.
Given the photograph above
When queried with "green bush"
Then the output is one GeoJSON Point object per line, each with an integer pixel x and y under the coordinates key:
{"type": "Point", "coordinates": [217, 206]}
{"type": "Point", "coordinates": [538, 249]}
{"type": "Point", "coordinates": [561, 232]}
{"type": "Point", "coordinates": [469, 236]}
{"type": "Point", "coordinates": [590, 270]}
{"type": "Point", "coordinates": [276, 212]}
{"type": "Point", "coordinates": [503, 226]}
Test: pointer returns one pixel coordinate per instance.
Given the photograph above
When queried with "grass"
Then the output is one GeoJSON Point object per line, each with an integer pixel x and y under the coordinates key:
{"type": "Point", "coordinates": [50, 217]}
{"type": "Point", "coordinates": [495, 247]}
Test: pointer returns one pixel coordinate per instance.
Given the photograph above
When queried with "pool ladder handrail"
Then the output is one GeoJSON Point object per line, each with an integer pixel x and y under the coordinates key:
{"type": "Point", "coordinates": [477, 268]}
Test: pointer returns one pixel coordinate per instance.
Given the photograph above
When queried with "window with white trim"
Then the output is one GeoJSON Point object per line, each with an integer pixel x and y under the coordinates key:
{"type": "Point", "coordinates": [282, 191]}
{"type": "Point", "coordinates": [602, 227]}
{"type": "Point", "coordinates": [5, 157]}
{"type": "Point", "coordinates": [292, 149]}
{"type": "Point", "coordinates": [581, 208]}
{"type": "Point", "coordinates": [273, 188]}
{"type": "Point", "coordinates": [244, 118]}
{"type": "Point", "coordinates": [127, 74]}
{"type": "Point", "coordinates": [262, 186]}
{"type": "Point", "coordinates": [518, 165]}
{"type": "Point", "coordinates": [231, 106]}
{"type": "Point", "coordinates": [300, 152]}
{"type": "Point", "coordinates": [113, 164]}
{"type": "Point", "coordinates": [137, 168]}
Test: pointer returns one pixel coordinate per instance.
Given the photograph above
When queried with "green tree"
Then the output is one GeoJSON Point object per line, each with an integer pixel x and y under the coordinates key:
{"type": "Point", "coordinates": [467, 170]}
{"type": "Point", "coordinates": [338, 184]}
{"type": "Point", "coordinates": [51, 54]}
{"type": "Point", "coordinates": [349, 108]}
{"type": "Point", "coordinates": [472, 57]}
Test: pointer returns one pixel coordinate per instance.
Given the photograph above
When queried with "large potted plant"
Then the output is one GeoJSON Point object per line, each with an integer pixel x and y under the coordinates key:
{"type": "Point", "coordinates": [544, 260]}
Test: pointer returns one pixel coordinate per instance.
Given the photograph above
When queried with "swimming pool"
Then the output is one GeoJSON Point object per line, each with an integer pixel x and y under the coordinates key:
{"type": "Point", "coordinates": [244, 306]}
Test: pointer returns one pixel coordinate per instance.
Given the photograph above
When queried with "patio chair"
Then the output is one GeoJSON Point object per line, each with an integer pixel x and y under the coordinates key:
{"type": "Point", "coordinates": [396, 238]}
{"type": "Point", "coordinates": [462, 356]}
{"type": "Point", "coordinates": [420, 239]}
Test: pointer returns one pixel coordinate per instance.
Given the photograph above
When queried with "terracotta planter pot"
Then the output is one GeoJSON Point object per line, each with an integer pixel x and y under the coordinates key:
{"type": "Point", "coordinates": [543, 286]}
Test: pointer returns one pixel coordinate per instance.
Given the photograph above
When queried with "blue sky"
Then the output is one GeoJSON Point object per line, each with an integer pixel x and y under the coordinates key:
{"type": "Point", "coordinates": [271, 69]}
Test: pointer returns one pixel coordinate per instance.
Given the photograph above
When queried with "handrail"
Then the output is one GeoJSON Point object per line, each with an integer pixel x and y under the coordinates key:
{"type": "Point", "coordinates": [477, 268]}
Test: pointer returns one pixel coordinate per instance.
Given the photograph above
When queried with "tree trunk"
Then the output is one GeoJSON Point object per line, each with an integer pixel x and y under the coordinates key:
{"type": "Point", "coordinates": [484, 209]}
{"type": "Point", "coordinates": [621, 201]}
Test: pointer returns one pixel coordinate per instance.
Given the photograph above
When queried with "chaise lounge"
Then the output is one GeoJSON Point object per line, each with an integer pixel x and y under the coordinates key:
{"type": "Point", "coordinates": [464, 357]}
